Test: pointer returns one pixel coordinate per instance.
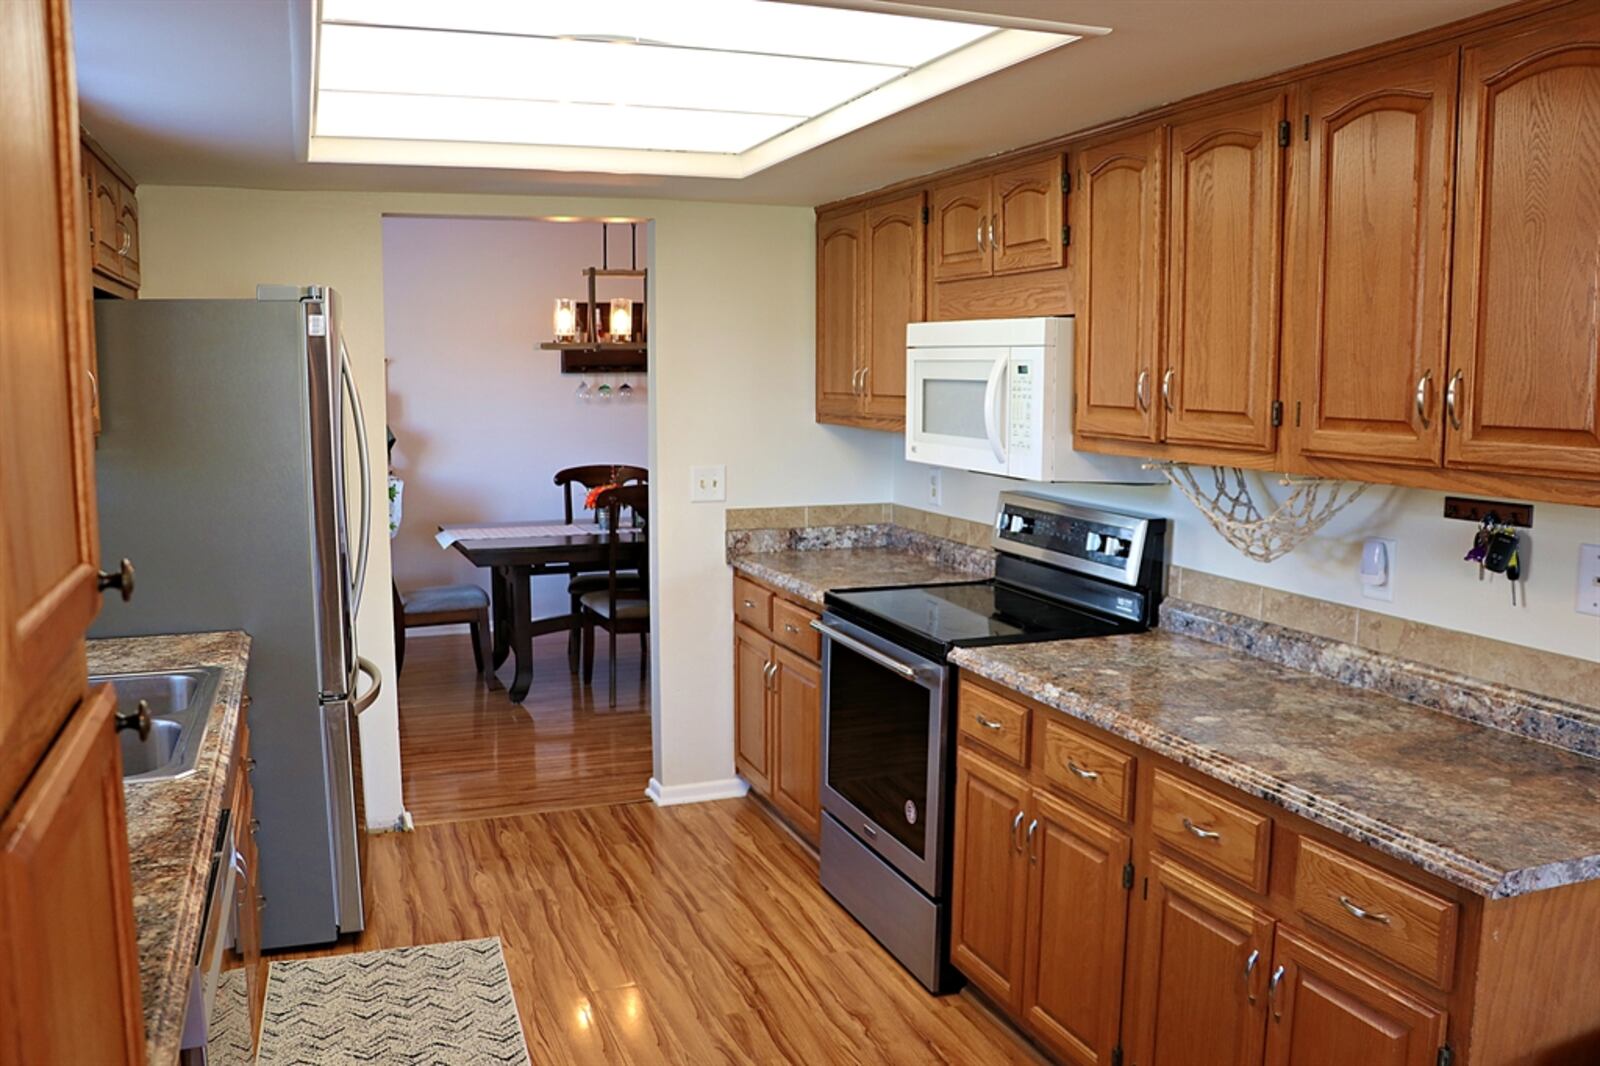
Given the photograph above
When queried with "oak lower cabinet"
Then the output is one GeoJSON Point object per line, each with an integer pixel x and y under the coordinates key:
{"type": "Point", "coordinates": [69, 965]}
{"type": "Point", "coordinates": [1327, 1009]}
{"type": "Point", "coordinates": [1247, 937]}
{"type": "Point", "coordinates": [990, 894]}
{"type": "Point", "coordinates": [1206, 959]}
{"type": "Point", "coordinates": [870, 263]}
{"type": "Point", "coordinates": [777, 681]}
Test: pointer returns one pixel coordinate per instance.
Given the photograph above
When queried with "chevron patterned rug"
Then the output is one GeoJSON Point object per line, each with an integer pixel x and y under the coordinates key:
{"type": "Point", "coordinates": [436, 1005]}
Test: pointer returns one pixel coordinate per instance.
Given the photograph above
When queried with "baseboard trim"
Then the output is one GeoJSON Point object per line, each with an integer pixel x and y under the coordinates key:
{"type": "Point", "coordinates": [699, 792]}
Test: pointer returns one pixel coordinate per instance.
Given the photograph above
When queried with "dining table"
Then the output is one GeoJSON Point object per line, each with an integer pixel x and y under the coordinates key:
{"type": "Point", "coordinates": [515, 552]}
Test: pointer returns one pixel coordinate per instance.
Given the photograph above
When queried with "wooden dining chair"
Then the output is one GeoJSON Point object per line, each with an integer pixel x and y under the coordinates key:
{"type": "Point", "coordinates": [585, 580]}
{"type": "Point", "coordinates": [618, 608]}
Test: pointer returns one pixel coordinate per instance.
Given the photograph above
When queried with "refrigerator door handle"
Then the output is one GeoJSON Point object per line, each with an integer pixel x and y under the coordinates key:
{"type": "Point", "coordinates": [359, 579]}
{"type": "Point", "coordinates": [368, 667]}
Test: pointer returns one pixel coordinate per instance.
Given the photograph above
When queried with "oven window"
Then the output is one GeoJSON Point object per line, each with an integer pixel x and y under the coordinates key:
{"type": "Point", "coordinates": [878, 727]}
{"type": "Point", "coordinates": [953, 407]}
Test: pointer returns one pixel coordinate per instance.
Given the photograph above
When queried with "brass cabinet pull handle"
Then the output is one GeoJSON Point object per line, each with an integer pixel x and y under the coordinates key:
{"type": "Point", "coordinates": [1423, 392]}
{"type": "Point", "coordinates": [790, 627]}
{"type": "Point", "coordinates": [1272, 994]}
{"type": "Point", "coordinates": [138, 719]}
{"type": "Point", "coordinates": [1249, 970]}
{"type": "Point", "coordinates": [749, 605]}
{"type": "Point", "coordinates": [1087, 775]}
{"type": "Point", "coordinates": [1450, 395]}
{"type": "Point", "coordinates": [1016, 823]}
{"type": "Point", "coordinates": [980, 234]}
{"type": "Point", "coordinates": [768, 672]}
{"type": "Point", "coordinates": [1141, 390]}
{"type": "Point", "coordinates": [1166, 387]}
{"type": "Point", "coordinates": [864, 372]}
{"type": "Point", "coordinates": [1361, 912]}
{"type": "Point", "coordinates": [991, 231]}
{"type": "Point", "coordinates": [989, 723]}
{"type": "Point", "coordinates": [1033, 827]}
{"type": "Point", "coordinates": [1203, 834]}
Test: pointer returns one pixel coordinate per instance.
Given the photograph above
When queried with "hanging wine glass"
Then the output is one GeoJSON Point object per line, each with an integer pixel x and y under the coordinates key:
{"type": "Point", "coordinates": [625, 391]}
{"type": "Point", "coordinates": [583, 388]}
{"type": "Point", "coordinates": [604, 391]}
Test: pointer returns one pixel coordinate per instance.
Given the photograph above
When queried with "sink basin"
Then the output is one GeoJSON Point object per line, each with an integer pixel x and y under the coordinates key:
{"type": "Point", "coordinates": [180, 702]}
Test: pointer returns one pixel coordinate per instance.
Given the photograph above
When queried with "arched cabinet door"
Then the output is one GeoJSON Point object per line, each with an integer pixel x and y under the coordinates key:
{"type": "Point", "coordinates": [1027, 217]}
{"type": "Point", "coordinates": [962, 212]}
{"type": "Point", "coordinates": [894, 297]}
{"type": "Point", "coordinates": [1367, 296]}
{"type": "Point", "coordinates": [1118, 262]}
{"type": "Point", "coordinates": [1525, 329]}
{"type": "Point", "coordinates": [840, 267]}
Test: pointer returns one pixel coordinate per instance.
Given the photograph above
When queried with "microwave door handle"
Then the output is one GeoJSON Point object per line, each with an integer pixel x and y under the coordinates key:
{"type": "Point", "coordinates": [992, 419]}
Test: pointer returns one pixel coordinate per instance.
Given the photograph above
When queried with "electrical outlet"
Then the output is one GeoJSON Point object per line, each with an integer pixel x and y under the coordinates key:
{"type": "Point", "coordinates": [935, 487]}
{"type": "Point", "coordinates": [708, 484]}
{"type": "Point", "coordinates": [1589, 579]}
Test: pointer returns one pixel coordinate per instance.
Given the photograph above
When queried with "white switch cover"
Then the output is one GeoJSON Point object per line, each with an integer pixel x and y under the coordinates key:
{"type": "Point", "coordinates": [935, 487]}
{"type": "Point", "coordinates": [708, 484]}
{"type": "Point", "coordinates": [1589, 578]}
{"type": "Point", "coordinates": [1377, 568]}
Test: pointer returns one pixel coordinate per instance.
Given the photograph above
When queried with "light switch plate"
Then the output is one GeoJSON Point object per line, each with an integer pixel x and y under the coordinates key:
{"type": "Point", "coordinates": [1589, 579]}
{"type": "Point", "coordinates": [1384, 591]}
{"type": "Point", "coordinates": [708, 484]}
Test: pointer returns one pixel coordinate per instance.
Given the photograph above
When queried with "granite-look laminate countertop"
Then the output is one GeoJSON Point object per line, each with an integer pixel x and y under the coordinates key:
{"type": "Point", "coordinates": [171, 825]}
{"type": "Point", "coordinates": [1496, 813]}
{"type": "Point", "coordinates": [810, 573]}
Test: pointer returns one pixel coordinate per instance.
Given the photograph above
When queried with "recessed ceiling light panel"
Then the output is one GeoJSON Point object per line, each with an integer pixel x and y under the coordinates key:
{"type": "Point", "coordinates": [718, 88]}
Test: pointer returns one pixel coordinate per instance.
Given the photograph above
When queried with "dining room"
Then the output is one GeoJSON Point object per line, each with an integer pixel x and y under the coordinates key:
{"type": "Point", "coordinates": [518, 411]}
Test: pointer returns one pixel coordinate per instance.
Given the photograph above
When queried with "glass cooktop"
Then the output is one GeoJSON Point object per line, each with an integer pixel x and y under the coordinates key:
{"type": "Point", "coordinates": [981, 612]}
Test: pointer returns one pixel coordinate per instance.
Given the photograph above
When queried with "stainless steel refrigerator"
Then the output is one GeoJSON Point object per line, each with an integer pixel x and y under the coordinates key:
{"type": "Point", "coordinates": [222, 469]}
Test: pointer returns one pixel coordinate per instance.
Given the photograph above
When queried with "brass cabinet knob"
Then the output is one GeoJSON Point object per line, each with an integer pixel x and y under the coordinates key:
{"type": "Point", "coordinates": [122, 580]}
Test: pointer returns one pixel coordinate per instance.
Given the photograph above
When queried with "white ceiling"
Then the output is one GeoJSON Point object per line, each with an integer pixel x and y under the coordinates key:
{"type": "Point", "coordinates": [205, 92]}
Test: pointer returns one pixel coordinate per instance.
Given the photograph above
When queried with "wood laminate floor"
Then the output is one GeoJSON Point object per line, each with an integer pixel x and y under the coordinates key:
{"type": "Point", "coordinates": [468, 752]}
{"type": "Point", "coordinates": [687, 935]}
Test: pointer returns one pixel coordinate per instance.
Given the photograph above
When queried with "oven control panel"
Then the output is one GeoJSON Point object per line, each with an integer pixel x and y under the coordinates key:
{"type": "Point", "coordinates": [1090, 540]}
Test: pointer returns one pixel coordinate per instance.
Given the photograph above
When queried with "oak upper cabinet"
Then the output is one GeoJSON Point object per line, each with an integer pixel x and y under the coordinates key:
{"type": "Point", "coordinates": [1205, 973]}
{"type": "Point", "coordinates": [894, 294]}
{"type": "Point", "coordinates": [1076, 931]}
{"type": "Point", "coordinates": [870, 264]}
{"type": "Point", "coordinates": [840, 280]}
{"type": "Point", "coordinates": [1224, 187]}
{"type": "Point", "coordinates": [1525, 329]}
{"type": "Point", "coordinates": [49, 545]}
{"type": "Point", "coordinates": [960, 222]}
{"type": "Point", "coordinates": [1116, 211]}
{"type": "Point", "coordinates": [990, 897]}
{"type": "Point", "coordinates": [1005, 222]}
{"type": "Point", "coordinates": [113, 222]}
{"type": "Point", "coordinates": [796, 721]}
{"type": "Point", "coordinates": [1367, 295]}
{"type": "Point", "coordinates": [1326, 1009]}
{"type": "Point", "coordinates": [752, 682]}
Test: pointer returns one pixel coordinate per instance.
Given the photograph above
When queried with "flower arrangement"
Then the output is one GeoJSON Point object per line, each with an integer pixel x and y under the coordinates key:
{"type": "Point", "coordinates": [593, 498]}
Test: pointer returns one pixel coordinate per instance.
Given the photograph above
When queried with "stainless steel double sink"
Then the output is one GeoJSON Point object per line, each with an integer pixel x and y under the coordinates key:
{"type": "Point", "coordinates": [180, 702]}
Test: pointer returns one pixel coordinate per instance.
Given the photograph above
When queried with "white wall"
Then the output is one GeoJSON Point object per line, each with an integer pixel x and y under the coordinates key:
{"type": "Point", "coordinates": [482, 416]}
{"type": "Point", "coordinates": [1432, 583]}
{"type": "Point", "coordinates": [731, 382]}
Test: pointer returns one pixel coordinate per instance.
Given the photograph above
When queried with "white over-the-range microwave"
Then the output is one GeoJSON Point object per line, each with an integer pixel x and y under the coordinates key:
{"type": "Point", "coordinates": [995, 396]}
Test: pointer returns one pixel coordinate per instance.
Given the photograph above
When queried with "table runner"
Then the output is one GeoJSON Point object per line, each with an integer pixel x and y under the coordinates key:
{"type": "Point", "coordinates": [450, 534]}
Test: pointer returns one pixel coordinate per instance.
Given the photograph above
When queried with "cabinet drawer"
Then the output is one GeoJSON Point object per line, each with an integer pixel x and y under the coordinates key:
{"type": "Point", "coordinates": [1093, 772]}
{"type": "Point", "coordinates": [752, 605]}
{"type": "Point", "coordinates": [1223, 835]}
{"type": "Point", "coordinates": [995, 722]}
{"type": "Point", "coordinates": [1413, 929]}
{"type": "Point", "coordinates": [791, 627]}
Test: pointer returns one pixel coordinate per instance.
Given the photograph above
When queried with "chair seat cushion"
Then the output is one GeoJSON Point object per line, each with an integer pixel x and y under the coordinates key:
{"type": "Point", "coordinates": [578, 584]}
{"type": "Point", "coordinates": [628, 610]}
{"type": "Point", "coordinates": [445, 598]}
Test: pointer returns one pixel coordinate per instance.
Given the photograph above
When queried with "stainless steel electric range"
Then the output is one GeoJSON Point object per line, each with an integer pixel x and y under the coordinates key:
{"type": "Point", "coordinates": [1062, 571]}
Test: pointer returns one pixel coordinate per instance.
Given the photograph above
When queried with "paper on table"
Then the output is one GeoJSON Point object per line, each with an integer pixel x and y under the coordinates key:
{"type": "Point", "coordinates": [450, 534]}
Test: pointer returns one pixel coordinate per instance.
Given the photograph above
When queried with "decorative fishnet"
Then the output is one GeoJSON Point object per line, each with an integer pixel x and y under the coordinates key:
{"type": "Point", "coordinates": [1232, 510]}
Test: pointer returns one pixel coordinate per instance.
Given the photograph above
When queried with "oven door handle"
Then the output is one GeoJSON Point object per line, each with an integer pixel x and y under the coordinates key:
{"type": "Point", "coordinates": [865, 650]}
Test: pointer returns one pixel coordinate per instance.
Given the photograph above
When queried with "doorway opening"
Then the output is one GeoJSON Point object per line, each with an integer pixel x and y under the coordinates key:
{"type": "Point", "coordinates": [505, 444]}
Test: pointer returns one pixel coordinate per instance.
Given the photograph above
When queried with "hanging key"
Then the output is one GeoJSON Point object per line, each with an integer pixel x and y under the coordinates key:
{"type": "Point", "coordinates": [1514, 573]}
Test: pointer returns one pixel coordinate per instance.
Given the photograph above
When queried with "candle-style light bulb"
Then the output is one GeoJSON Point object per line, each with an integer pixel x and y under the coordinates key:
{"type": "Point", "coordinates": [621, 319]}
{"type": "Point", "coordinates": [566, 319]}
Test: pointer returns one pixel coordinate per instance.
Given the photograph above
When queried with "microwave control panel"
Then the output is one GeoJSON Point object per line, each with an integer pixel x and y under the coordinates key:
{"type": "Point", "coordinates": [1024, 402]}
